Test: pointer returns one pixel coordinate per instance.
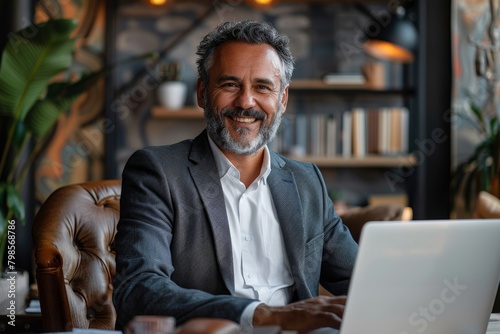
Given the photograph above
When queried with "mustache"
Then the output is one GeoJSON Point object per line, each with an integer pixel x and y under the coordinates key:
{"type": "Point", "coordinates": [238, 112]}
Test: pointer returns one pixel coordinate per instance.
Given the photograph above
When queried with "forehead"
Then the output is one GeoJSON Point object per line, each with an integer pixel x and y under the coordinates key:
{"type": "Point", "coordinates": [237, 56]}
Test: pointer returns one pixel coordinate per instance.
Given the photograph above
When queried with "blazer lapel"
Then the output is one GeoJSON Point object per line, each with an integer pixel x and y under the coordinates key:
{"type": "Point", "coordinates": [206, 177]}
{"type": "Point", "coordinates": [288, 207]}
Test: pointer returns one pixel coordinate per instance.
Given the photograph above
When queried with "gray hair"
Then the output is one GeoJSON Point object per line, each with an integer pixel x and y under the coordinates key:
{"type": "Point", "coordinates": [247, 31]}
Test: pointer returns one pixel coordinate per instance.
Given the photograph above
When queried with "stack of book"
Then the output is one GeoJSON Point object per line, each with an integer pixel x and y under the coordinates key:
{"type": "Point", "coordinates": [344, 79]}
{"type": "Point", "coordinates": [354, 133]}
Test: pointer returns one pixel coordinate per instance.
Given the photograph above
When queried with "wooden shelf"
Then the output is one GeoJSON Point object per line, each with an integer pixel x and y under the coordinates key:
{"type": "Point", "coordinates": [183, 113]}
{"type": "Point", "coordinates": [373, 161]}
{"type": "Point", "coordinates": [319, 86]}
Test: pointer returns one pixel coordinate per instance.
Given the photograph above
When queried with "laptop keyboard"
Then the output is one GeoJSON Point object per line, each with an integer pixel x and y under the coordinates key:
{"type": "Point", "coordinates": [494, 324]}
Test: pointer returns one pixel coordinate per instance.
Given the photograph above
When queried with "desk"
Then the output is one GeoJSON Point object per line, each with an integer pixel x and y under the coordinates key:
{"type": "Point", "coordinates": [25, 323]}
{"type": "Point", "coordinates": [494, 324]}
{"type": "Point", "coordinates": [32, 323]}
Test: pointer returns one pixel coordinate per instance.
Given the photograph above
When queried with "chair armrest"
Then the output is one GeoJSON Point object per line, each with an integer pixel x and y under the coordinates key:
{"type": "Point", "coordinates": [47, 256]}
{"type": "Point", "coordinates": [56, 314]}
{"type": "Point", "coordinates": [356, 218]}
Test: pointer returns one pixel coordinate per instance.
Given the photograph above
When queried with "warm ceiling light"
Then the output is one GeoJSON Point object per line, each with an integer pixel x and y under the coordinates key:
{"type": "Point", "coordinates": [157, 2]}
{"type": "Point", "coordinates": [262, 4]}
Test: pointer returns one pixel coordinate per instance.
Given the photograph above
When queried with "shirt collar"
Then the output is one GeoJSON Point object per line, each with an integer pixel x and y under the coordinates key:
{"type": "Point", "coordinates": [224, 165]}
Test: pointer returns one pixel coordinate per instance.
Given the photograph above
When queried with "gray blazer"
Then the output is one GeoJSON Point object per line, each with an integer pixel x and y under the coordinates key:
{"type": "Point", "coordinates": [173, 248]}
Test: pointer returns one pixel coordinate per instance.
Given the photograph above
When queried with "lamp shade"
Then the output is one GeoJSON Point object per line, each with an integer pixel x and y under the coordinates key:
{"type": "Point", "coordinates": [397, 41]}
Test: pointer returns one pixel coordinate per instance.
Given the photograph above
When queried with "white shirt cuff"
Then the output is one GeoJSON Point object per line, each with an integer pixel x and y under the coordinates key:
{"type": "Point", "coordinates": [247, 317]}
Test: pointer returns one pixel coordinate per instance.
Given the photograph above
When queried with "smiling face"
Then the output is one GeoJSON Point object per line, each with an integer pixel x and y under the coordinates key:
{"type": "Point", "coordinates": [243, 101]}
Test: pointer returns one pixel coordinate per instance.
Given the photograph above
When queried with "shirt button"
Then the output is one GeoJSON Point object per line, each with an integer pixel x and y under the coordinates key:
{"type": "Point", "coordinates": [249, 276]}
{"type": "Point", "coordinates": [248, 238]}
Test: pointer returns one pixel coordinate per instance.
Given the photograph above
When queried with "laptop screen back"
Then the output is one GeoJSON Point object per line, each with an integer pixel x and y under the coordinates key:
{"type": "Point", "coordinates": [424, 277]}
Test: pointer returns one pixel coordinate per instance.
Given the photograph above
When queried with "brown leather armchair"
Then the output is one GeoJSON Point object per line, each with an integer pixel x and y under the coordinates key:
{"type": "Point", "coordinates": [73, 236]}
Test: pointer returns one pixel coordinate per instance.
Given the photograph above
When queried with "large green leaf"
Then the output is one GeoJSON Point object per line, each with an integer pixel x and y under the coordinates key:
{"type": "Point", "coordinates": [60, 96]}
{"type": "Point", "coordinates": [3, 206]}
{"type": "Point", "coordinates": [10, 201]}
{"type": "Point", "coordinates": [45, 113]}
{"type": "Point", "coordinates": [31, 58]}
{"type": "Point", "coordinates": [42, 117]}
{"type": "Point", "coordinates": [15, 202]}
{"type": "Point", "coordinates": [493, 127]}
{"type": "Point", "coordinates": [19, 128]}
{"type": "Point", "coordinates": [477, 112]}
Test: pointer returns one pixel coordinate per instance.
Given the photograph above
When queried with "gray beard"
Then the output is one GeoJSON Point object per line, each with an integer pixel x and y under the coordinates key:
{"type": "Point", "coordinates": [219, 133]}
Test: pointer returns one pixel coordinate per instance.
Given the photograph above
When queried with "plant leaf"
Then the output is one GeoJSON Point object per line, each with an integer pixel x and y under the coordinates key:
{"type": "Point", "coordinates": [493, 127]}
{"type": "Point", "coordinates": [469, 188]}
{"type": "Point", "coordinates": [27, 66]}
{"type": "Point", "coordinates": [3, 207]}
{"type": "Point", "coordinates": [477, 112]}
{"type": "Point", "coordinates": [15, 202]}
{"type": "Point", "coordinates": [75, 89]}
{"type": "Point", "coordinates": [44, 115]}
{"type": "Point", "coordinates": [20, 133]}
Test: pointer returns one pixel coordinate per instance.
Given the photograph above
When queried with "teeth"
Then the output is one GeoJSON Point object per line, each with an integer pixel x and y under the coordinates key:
{"type": "Point", "coordinates": [245, 119]}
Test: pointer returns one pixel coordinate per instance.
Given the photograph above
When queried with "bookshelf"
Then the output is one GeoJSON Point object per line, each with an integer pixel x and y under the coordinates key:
{"type": "Point", "coordinates": [368, 161]}
{"type": "Point", "coordinates": [317, 86]}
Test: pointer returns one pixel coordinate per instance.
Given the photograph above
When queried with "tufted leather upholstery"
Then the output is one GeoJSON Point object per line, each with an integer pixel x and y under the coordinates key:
{"type": "Point", "coordinates": [73, 236]}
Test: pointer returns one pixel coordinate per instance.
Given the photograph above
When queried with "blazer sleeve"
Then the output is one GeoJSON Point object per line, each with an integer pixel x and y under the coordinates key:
{"type": "Point", "coordinates": [143, 282]}
{"type": "Point", "coordinates": [339, 248]}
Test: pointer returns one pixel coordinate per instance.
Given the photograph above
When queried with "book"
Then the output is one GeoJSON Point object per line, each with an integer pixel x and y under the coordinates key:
{"type": "Point", "coordinates": [359, 132]}
{"type": "Point", "coordinates": [301, 133]}
{"type": "Point", "coordinates": [331, 136]}
{"type": "Point", "coordinates": [344, 79]}
{"type": "Point", "coordinates": [372, 129]}
{"type": "Point", "coordinates": [347, 134]}
{"type": "Point", "coordinates": [405, 130]}
{"type": "Point", "coordinates": [384, 131]}
{"type": "Point", "coordinates": [316, 139]}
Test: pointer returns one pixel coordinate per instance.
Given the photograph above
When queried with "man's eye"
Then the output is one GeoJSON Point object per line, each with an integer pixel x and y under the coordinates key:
{"type": "Point", "coordinates": [264, 88]}
{"type": "Point", "coordinates": [229, 85]}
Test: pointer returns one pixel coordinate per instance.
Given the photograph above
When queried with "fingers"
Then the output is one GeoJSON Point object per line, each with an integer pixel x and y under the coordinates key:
{"type": "Point", "coordinates": [303, 316]}
{"type": "Point", "coordinates": [305, 321]}
{"type": "Point", "coordinates": [322, 304]}
{"type": "Point", "coordinates": [323, 300]}
{"type": "Point", "coordinates": [332, 300]}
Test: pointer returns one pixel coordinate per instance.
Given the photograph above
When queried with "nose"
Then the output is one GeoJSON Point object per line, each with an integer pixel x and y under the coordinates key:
{"type": "Point", "coordinates": [245, 98]}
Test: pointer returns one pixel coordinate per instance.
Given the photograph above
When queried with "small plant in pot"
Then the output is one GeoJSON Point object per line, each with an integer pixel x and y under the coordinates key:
{"type": "Point", "coordinates": [172, 91]}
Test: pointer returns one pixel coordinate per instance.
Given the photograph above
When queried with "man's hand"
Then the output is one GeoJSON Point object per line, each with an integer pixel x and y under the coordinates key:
{"type": "Point", "coordinates": [303, 316]}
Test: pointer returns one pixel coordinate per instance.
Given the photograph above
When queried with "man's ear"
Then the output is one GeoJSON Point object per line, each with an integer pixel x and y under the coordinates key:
{"type": "Point", "coordinates": [200, 93]}
{"type": "Point", "coordinates": [284, 99]}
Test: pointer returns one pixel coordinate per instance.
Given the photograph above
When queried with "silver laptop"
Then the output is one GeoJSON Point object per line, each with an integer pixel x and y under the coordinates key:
{"type": "Point", "coordinates": [432, 277]}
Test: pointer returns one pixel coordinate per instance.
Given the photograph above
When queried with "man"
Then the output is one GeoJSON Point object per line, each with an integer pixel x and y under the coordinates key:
{"type": "Point", "coordinates": [221, 227]}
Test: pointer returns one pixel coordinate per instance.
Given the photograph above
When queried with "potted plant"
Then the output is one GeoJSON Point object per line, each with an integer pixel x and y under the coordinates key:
{"type": "Point", "coordinates": [480, 171]}
{"type": "Point", "coordinates": [30, 104]}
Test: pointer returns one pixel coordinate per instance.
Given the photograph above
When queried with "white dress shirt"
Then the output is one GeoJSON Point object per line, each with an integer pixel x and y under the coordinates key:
{"type": "Point", "coordinates": [261, 268]}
